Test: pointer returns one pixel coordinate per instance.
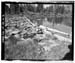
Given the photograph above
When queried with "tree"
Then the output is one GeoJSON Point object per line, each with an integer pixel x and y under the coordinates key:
{"type": "Point", "coordinates": [60, 9]}
{"type": "Point", "coordinates": [21, 8]}
{"type": "Point", "coordinates": [12, 8]}
{"type": "Point", "coordinates": [39, 7]}
{"type": "Point", "coordinates": [7, 9]}
{"type": "Point", "coordinates": [49, 9]}
{"type": "Point", "coordinates": [30, 7]}
{"type": "Point", "coordinates": [17, 9]}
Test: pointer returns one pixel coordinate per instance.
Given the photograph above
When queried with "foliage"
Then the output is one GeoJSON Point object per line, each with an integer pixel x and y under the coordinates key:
{"type": "Point", "coordinates": [60, 9]}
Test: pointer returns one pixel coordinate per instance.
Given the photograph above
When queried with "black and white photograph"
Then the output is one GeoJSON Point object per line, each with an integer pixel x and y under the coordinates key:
{"type": "Point", "coordinates": [37, 31]}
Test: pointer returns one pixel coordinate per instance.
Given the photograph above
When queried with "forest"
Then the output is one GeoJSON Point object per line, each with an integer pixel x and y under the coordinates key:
{"type": "Point", "coordinates": [54, 13]}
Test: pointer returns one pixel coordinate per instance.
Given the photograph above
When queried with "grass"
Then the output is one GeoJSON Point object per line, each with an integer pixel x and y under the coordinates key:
{"type": "Point", "coordinates": [31, 50]}
{"type": "Point", "coordinates": [60, 27]}
{"type": "Point", "coordinates": [25, 50]}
